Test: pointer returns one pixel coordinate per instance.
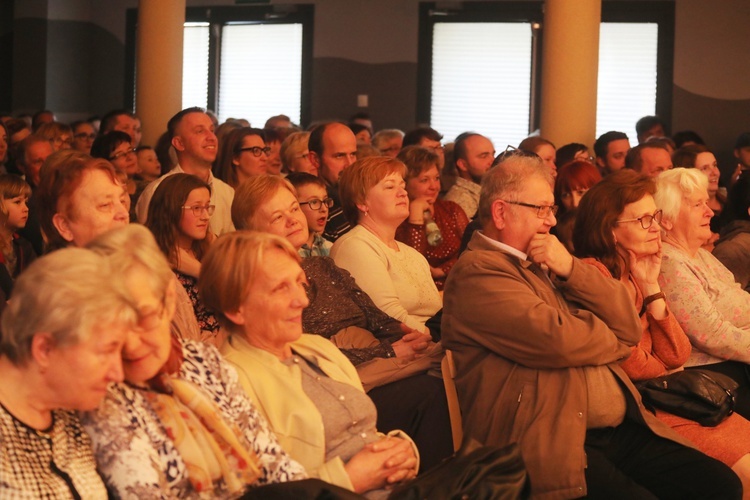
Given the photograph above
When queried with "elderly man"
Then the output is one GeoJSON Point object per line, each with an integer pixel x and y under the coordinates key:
{"type": "Point", "coordinates": [333, 148]}
{"type": "Point", "coordinates": [473, 154]}
{"type": "Point", "coordinates": [649, 158]}
{"type": "Point", "coordinates": [195, 143]}
{"type": "Point", "coordinates": [537, 357]}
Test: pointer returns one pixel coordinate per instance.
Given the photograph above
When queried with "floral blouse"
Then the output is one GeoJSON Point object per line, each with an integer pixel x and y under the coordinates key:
{"type": "Point", "coordinates": [206, 320]}
{"type": "Point", "coordinates": [710, 306]}
{"type": "Point", "coordinates": [138, 460]}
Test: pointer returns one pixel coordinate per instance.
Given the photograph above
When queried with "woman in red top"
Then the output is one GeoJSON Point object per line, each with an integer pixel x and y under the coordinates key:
{"type": "Point", "coordinates": [423, 186]}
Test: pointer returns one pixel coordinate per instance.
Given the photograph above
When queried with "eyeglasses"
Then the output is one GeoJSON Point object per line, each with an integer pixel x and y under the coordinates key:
{"type": "Point", "coordinates": [542, 211]}
{"type": "Point", "coordinates": [511, 151]}
{"type": "Point", "coordinates": [84, 135]}
{"type": "Point", "coordinates": [121, 154]}
{"type": "Point", "coordinates": [257, 150]}
{"type": "Point", "coordinates": [647, 220]}
{"type": "Point", "coordinates": [316, 204]}
{"type": "Point", "coordinates": [149, 321]}
{"type": "Point", "coordinates": [199, 209]}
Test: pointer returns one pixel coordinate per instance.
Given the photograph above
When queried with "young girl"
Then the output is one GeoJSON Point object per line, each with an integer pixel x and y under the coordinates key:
{"type": "Point", "coordinates": [178, 217]}
{"type": "Point", "coordinates": [17, 253]}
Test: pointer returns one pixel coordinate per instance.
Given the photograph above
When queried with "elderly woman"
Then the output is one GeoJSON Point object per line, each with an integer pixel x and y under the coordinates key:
{"type": "Point", "coordinates": [58, 134]}
{"type": "Point", "coordinates": [423, 186]}
{"type": "Point", "coordinates": [617, 231]}
{"type": "Point", "coordinates": [181, 426]}
{"type": "Point", "coordinates": [59, 350]}
{"type": "Point", "coordinates": [712, 309]}
{"type": "Point", "coordinates": [396, 276]}
{"type": "Point", "coordinates": [79, 198]}
{"type": "Point", "coordinates": [339, 310]}
{"type": "Point", "coordinates": [324, 419]}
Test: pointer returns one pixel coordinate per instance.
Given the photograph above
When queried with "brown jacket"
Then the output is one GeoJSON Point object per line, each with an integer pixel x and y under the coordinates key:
{"type": "Point", "coordinates": [522, 349]}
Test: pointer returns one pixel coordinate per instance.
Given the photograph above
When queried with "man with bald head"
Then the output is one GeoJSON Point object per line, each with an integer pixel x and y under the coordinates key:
{"type": "Point", "coordinates": [333, 148]}
{"type": "Point", "coordinates": [194, 141]}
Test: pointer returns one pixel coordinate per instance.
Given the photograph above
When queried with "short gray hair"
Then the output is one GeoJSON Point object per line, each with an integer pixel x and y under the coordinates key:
{"type": "Point", "coordinates": [506, 179]}
{"type": "Point", "coordinates": [66, 294]}
{"type": "Point", "coordinates": [134, 245]}
{"type": "Point", "coordinates": [674, 185]}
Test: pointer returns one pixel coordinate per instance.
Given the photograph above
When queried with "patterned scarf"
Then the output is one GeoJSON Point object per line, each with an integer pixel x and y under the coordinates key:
{"type": "Point", "coordinates": [209, 445]}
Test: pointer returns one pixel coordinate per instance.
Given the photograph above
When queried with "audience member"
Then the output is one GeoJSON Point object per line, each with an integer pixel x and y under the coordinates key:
{"type": "Point", "coordinates": [149, 168]}
{"type": "Point", "coordinates": [83, 136]}
{"type": "Point", "coordinates": [733, 247]}
{"type": "Point", "coordinates": [178, 217]}
{"type": "Point", "coordinates": [362, 118]}
{"type": "Point", "coordinates": [544, 149]}
{"type": "Point", "coordinates": [243, 154]}
{"type": "Point", "coordinates": [423, 186]}
{"type": "Point", "coordinates": [117, 148]}
{"type": "Point", "coordinates": [123, 121]}
{"type": "Point", "coordinates": [473, 155]}
{"type": "Point", "coordinates": [278, 121]}
{"type": "Point", "coordinates": [388, 141]}
{"type": "Point", "coordinates": [700, 157]}
{"type": "Point", "coordinates": [333, 148]}
{"type": "Point", "coordinates": [314, 203]}
{"type": "Point", "coordinates": [537, 357]}
{"type": "Point", "coordinates": [649, 126]}
{"type": "Point", "coordinates": [611, 149]}
{"type": "Point", "coordinates": [40, 118]}
{"type": "Point", "coordinates": [741, 152]}
{"type": "Point", "coordinates": [274, 137]}
{"type": "Point", "coordinates": [649, 159]}
{"type": "Point", "coordinates": [16, 253]}
{"type": "Point", "coordinates": [429, 138]}
{"type": "Point", "coordinates": [324, 421]}
{"type": "Point", "coordinates": [573, 181]}
{"type": "Point", "coordinates": [59, 350]}
{"type": "Point", "coordinates": [572, 152]}
{"type": "Point", "coordinates": [394, 275]}
{"type": "Point", "coordinates": [686, 138]}
{"type": "Point", "coordinates": [362, 133]}
{"type": "Point", "coordinates": [710, 306]}
{"type": "Point", "coordinates": [618, 232]}
{"type": "Point", "coordinates": [58, 134]}
{"type": "Point", "coordinates": [295, 156]}
{"type": "Point", "coordinates": [192, 136]}
{"type": "Point", "coordinates": [181, 426]}
{"type": "Point", "coordinates": [79, 198]}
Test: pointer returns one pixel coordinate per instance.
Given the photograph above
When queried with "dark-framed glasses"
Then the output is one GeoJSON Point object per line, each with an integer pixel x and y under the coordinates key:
{"type": "Point", "coordinates": [511, 151]}
{"type": "Point", "coordinates": [84, 135]}
{"type": "Point", "coordinates": [646, 220]}
{"type": "Point", "coordinates": [257, 150]}
{"type": "Point", "coordinates": [315, 203]}
{"type": "Point", "coordinates": [199, 209]}
{"type": "Point", "coordinates": [542, 211]}
{"type": "Point", "coordinates": [122, 154]}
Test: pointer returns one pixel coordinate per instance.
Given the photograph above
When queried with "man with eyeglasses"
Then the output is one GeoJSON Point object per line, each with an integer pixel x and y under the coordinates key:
{"type": "Point", "coordinates": [333, 148]}
{"type": "Point", "coordinates": [194, 141]}
{"type": "Point", "coordinates": [473, 154]}
{"type": "Point", "coordinates": [537, 337]}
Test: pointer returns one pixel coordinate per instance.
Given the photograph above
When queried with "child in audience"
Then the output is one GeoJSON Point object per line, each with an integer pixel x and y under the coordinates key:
{"type": "Point", "coordinates": [314, 202]}
{"type": "Point", "coordinates": [149, 168]}
{"type": "Point", "coordinates": [17, 253]}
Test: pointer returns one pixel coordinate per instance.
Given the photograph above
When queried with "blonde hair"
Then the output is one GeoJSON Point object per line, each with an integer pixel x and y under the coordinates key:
{"type": "Point", "coordinates": [230, 267]}
{"type": "Point", "coordinates": [11, 186]}
{"type": "Point", "coordinates": [293, 145]}
{"type": "Point", "coordinates": [357, 179]}
{"type": "Point", "coordinates": [252, 194]}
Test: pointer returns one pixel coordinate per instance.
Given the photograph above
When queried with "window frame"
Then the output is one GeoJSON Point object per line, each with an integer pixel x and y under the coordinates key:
{"type": "Point", "coordinates": [217, 17]}
{"type": "Point", "coordinates": [638, 11]}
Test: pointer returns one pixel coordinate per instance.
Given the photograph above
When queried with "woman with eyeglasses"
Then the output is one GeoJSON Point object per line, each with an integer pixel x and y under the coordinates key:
{"type": "Point", "coordinates": [618, 231]}
{"type": "Point", "coordinates": [243, 154]}
{"type": "Point", "coordinates": [117, 148]}
{"type": "Point", "coordinates": [178, 216]}
{"type": "Point", "coordinates": [429, 216]}
{"type": "Point", "coordinates": [83, 136]}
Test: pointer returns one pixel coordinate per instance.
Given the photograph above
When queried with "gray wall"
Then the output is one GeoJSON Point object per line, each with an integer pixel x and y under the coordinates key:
{"type": "Point", "coordinates": [68, 55]}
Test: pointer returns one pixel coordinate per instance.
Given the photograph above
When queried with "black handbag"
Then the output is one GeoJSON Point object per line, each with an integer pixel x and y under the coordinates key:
{"type": "Point", "coordinates": [701, 395]}
{"type": "Point", "coordinates": [476, 472]}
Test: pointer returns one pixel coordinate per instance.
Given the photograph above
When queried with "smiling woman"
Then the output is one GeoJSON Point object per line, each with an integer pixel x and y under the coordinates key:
{"type": "Point", "coordinates": [178, 217]}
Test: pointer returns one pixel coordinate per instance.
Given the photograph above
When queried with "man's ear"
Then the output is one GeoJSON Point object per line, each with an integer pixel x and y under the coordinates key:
{"type": "Point", "coordinates": [63, 227]}
{"type": "Point", "coordinates": [461, 165]}
{"type": "Point", "coordinates": [599, 162]}
{"type": "Point", "coordinates": [314, 159]}
{"type": "Point", "coordinates": [178, 143]}
{"type": "Point", "coordinates": [499, 213]}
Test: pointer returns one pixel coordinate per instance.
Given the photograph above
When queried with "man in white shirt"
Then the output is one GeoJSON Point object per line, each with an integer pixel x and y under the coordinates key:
{"type": "Point", "coordinates": [193, 138]}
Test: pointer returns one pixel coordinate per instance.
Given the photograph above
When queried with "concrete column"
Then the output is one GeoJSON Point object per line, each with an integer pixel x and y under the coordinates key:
{"type": "Point", "coordinates": [158, 94]}
{"type": "Point", "coordinates": [570, 64]}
